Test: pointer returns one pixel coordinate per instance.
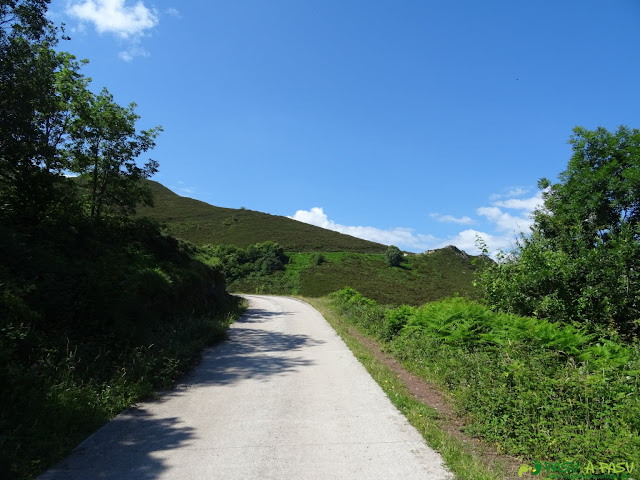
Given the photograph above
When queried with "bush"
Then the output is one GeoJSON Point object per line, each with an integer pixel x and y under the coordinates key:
{"type": "Point", "coordinates": [92, 318]}
{"type": "Point", "coordinates": [319, 259]}
{"type": "Point", "coordinates": [394, 256]}
{"type": "Point", "coordinates": [395, 320]}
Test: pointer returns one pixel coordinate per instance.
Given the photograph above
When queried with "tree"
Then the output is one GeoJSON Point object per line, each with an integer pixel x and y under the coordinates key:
{"type": "Point", "coordinates": [104, 146]}
{"type": "Point", "coordinates": [394, 256]}
{"type": "Point", "coordinates": [50, 123]}
{"type": "Point", "coordinates": [582, 260]}
{"type": "Point", "coordinates": [29, 111]}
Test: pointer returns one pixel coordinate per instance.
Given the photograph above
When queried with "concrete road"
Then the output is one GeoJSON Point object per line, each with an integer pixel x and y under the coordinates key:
{"type": "Point", "coordinates": [283, 398]}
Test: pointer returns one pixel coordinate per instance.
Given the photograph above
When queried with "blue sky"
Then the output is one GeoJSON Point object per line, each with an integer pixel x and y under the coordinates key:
{"type": "Point", "coordinates": [414, 123]}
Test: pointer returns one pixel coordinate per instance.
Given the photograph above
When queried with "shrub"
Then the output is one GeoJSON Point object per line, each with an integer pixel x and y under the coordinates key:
{"type": "Point", "coordinates": [394, 256]}
{"type": "Point", "coordinates": [319, 259]}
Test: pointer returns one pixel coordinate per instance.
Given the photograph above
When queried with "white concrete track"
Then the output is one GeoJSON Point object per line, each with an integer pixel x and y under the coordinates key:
{"type": "Point", "coordinates": [283, 398]}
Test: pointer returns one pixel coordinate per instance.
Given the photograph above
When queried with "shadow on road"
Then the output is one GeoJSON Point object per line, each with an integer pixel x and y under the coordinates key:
{"type": "Point", "coordinates": [252, 353]}
{"type": "Point", "coordinates": [131, 446]}
{"type": "Point", "coordinates": [126, 448]}
{"type": "Point", "coordinates": [258, 315]}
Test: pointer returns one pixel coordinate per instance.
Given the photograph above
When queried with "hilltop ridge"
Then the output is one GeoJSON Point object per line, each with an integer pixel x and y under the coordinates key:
{"type": "Point", "coordinates": [202, 223]}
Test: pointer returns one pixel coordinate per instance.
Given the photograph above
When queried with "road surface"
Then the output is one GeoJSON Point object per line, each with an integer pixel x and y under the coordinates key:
{"type": "Point", "coordinates": [283, 398]}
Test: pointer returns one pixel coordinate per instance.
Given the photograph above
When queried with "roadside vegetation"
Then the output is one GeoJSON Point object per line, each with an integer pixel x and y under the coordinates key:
{"type": "Point", "coordinates": [96, 309]}
{"type": "Point", "coordinates": [547, 367]}
{"type": "Point", "coordinates": [463, 459]}
{"type": "Point", "coordinates": [93, 321]}
{"type": "Point", "coordinates": [531, 387]}
{"type": "Point", "coordinates": [581, 262]}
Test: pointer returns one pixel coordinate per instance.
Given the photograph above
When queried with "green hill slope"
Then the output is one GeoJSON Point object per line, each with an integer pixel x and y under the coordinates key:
{"type": "Point", "coordinates": [421, 278]}
{"type": "Point", "coordinates": [201, 223]}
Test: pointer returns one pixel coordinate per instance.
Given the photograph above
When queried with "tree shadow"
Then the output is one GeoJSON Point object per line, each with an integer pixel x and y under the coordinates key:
{"type": "Point", "coordinates": [125, 448]}
{"type": "Point", "coordinates": [131, 445]}
{"type": "Point", "coordinates": [258, 315]}
{"type": "Point", "coordinates": [251, 353]}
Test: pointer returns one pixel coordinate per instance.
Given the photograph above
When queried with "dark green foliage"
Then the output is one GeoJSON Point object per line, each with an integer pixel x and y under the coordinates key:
{"type": "Point", "coordinates": [96, 310]}
{"type": "Point", "coordinates": [533, 388]}
{"type": "Point", "coordinates": [393, 256]}
{"type": "Point", "coordinates": [93, 317]}
{"type": "Point", "coordinates": [259, 259]}
{"type": "Point", "coordinates": [50, 123]}
{"type": "Point", "coordinates": [582, 260]}
{"type": "Point", "coordinates": [202, 224]}
{"type": "Point", "coordinates": [29, 164]}
{"type": "Point", "coordinates": [103, 147]}
{"type": "Point", "coordinates": [319, 259]}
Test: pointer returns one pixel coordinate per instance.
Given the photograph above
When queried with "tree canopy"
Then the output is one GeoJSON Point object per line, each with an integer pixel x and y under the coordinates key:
{"type": "Point", "coordinates": [581, 262]}
{"type": "Point", "coordinates": [52, 124]}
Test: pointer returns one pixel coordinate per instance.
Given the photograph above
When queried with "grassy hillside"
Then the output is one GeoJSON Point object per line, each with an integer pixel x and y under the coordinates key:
{"type": "Point", "coordinates": [420, 279]}
{"type": "Point", "coordinates": [201, 223]}
{"type": "Point", "coordinates": [346, 261]}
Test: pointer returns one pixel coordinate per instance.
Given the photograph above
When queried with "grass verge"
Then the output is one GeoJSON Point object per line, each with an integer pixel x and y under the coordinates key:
{"type": "Point", "coordinates": [460, 457]}
{"type": "Point", "coordinates": [548, 392]}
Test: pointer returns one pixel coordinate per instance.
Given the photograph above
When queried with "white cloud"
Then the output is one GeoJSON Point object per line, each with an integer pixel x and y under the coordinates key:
{"type": "Point", "coordinates": [406, 238]}
{"type": "Point", "coordinates": [403, 237]}
{"type": "Point", "coordinates": [173, 12]}
{"type": "Point", "coordinates": [506, 220]}
{"type": "Point", "coordinates": [113, 16]}
{"type": "Point", "coordinates": [466, 240]}
{"type": "Point", "coordinates": [503, 221]}
{"type": "Point", "coordinates": [528, 204]}
{"type": "Point", "coordinates": [451, 219]}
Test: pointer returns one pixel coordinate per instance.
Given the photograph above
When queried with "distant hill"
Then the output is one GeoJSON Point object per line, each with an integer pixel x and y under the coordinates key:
{"type": "Point", "coordinates": [201, 223]}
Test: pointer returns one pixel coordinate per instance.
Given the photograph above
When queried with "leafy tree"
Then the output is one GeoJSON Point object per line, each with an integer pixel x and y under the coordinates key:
{"type": "Point", "coordinates": [50, 122]}
{"type": "Point", "coordinates": [29, 108]}
{"type": "Point", "coordinates": [104, 145]}
{"type": "Point", "coordinates": [582, 260]}
{"type": "Point", "coordinates": [394, 256]}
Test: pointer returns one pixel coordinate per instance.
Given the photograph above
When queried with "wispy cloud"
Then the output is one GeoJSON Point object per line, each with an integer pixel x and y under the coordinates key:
{"type": "Point", "coordinates": [174, 12]}
{"type": "Point", "coordinates": [527, 204]}
{"type": "Point", "coordinates": [451, 219]}
{"type": "Point", "coordinates": [510, 193]}
{"type": "Point", "coordinates": [183, 189]}
{"type": "Point", "coordinates": [132, 52]}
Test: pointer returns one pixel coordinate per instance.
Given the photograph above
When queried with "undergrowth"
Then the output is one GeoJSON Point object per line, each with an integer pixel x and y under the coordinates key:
{"type": "Point", "coordinates": [530, 387]}
{"type": "Point", "coordinates": [93, 318]}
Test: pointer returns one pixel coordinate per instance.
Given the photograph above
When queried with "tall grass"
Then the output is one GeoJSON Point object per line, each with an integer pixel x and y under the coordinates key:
{"type": "Point", "coordinates": [531, 387]}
